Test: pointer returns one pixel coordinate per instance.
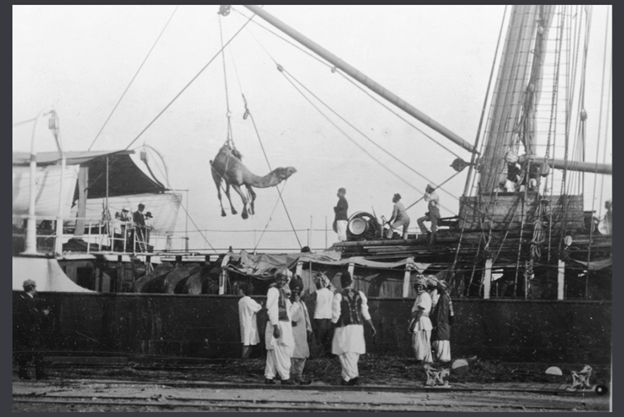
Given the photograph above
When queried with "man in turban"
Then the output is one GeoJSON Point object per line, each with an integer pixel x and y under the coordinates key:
{"type": "Point", "coordinates": [278, 335]}
{"type": "Point", "coordinates": [349, 312]}
{"type": "Point", "coordinates": [441, 319]}
{"type": "Point", "coordinates": [421, 324]}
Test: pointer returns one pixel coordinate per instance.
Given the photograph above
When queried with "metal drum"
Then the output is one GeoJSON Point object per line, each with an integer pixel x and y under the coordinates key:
{"type": "Point", "coordinates": [358, 226]}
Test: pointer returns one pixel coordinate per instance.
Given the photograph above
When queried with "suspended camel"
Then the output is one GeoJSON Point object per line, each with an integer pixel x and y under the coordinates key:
{"type": "Point", "coordinates": [228, 166]}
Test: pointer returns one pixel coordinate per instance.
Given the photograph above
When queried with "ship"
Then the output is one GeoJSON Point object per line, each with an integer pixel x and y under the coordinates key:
{"type": "Point", "coordinates": [514, 254]}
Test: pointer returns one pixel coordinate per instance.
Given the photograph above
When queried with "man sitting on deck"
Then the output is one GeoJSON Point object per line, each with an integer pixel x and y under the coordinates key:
{"type": "Point", "coordinates": [399, 216]}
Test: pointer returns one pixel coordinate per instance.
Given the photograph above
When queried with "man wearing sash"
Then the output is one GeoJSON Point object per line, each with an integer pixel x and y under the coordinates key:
{"type": "Point", "coordinates": [349, 312]}
{"type": "Point", "coordinates": [280, 342]}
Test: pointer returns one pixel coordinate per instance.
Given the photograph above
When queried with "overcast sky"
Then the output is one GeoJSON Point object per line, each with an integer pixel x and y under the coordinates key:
{"type": "Point", "coordinates": [80, 59]}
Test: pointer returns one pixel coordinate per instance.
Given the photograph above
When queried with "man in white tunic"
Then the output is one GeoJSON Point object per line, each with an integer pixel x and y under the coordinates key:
{"type": "Point", "coordinates": [280, 342]}
{"type": "Point", "coordinates": [247, 314]}
{"type": "Point", "coordinates": [422, 324]}
{"type": "Point", "coordinates": [349, 311]}
{"type": "Point", "coordinates": [322, 326]}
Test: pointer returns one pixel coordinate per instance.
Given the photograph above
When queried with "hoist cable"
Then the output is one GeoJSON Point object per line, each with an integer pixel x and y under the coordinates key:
{"type": "Point", "coordinates": [133, 78]}
{"type": "Point", "coordinates": [230, 136]}
{"type": "Point", "coordinates": [189, 83]}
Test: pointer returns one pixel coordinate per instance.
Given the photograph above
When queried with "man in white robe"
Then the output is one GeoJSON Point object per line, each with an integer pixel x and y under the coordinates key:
{"type": "Point", "coordinates": [421, 338]}
{"type": "Point", "coordinates": [247, 313]}
{"type": "Point", "coordinates": [349, 311]}
{"type": "Point", "coordinates": [280, 342]}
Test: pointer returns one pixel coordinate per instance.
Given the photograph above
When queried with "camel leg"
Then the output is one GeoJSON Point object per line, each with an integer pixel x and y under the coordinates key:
{"type": "Point", "coordinates": [227, 193]}
{"type": "Point", "coordinates": [217, 181]}
{"type": "Point", "coordinates": [253, 198]}
{"type": "Point", "coordinates": [242, 195]}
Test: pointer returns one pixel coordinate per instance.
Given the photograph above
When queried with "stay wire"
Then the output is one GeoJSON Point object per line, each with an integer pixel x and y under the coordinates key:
{"type": "Point", "coordinates": [187, 213]}
{"type": "Point", "coordinates": [288, 77]}
{"type": "Point", "coordinates": [277, 188]}
{"type": "Point", "coordinates": [132, 80]}
{"type": "Point", "coordinates": [364, 135]}
{"type": "Point", "coordinates": [189, 83]}
{"type": "Point", "coordinates": [269, 220]}
{"type": "Point", "coordinates": [376, 99]}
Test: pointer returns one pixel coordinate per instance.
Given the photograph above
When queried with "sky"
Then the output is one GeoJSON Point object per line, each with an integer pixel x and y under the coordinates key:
{"type": "Point", "coordinates": [80, 59]}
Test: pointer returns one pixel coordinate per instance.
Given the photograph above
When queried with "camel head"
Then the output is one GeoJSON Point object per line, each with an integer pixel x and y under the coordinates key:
{"type": "Point", "coordinates": [284, 173]}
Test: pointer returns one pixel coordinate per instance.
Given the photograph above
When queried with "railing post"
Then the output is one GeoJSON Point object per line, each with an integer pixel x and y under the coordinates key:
{"type": "Point", "coordinates": [299, 269]}
{"type": "Point", "coordinates": [560, 280]}
{"type": "Point", "coordinates": [30, 245]}
{"type": "Point", "coordinates": [89, 238]}
{"type": "Point", "coordinates": [224, 275]}
{"type": "Point", "coordinates": [407, 277]}
{"type": "Point", "coordinates": [487, 278]}
{"type": "Point", "coordinates": [351, 269]}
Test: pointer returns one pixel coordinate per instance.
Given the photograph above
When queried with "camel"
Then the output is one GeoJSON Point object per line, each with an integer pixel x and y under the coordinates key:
{"type": "Point", "coordinates": [186, 279]}
{"type": "Point", "coordinates": [228, 166]}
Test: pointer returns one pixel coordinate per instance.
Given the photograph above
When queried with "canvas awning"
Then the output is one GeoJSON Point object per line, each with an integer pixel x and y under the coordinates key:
{"type": "Point", "coordinates": [124, 176]}
{"type": "Point", "coordinates": [264, 266]}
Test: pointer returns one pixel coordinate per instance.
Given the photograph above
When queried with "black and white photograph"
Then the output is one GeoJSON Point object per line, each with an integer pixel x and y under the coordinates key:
{"type": "Point", "coordinates": [295, 208]}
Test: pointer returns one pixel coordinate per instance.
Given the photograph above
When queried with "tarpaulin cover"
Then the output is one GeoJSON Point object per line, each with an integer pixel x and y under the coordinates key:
{"type": "Point", "coordinates": [596, 265]}
{"type": "Point", "coordinates": [264, 266]}
{"type": "Point", "coordinates": [124, 176]}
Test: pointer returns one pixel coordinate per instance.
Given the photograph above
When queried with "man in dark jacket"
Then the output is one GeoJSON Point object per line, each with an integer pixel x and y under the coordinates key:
{"type": "Point", "coordinates": [27, 327]}
{"type": "Point", "coordinates": [341, 219]}
{"type": "Point", "coordinates": [139, 226]}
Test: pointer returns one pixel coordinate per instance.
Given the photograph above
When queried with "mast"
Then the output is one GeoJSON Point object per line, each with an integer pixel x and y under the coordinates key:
{"type": "Point", "coordinates": [362, 78]}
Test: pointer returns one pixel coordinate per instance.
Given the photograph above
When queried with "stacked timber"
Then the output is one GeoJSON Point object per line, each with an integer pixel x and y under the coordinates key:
{"type": "Point", "coordinates": [504, 211]}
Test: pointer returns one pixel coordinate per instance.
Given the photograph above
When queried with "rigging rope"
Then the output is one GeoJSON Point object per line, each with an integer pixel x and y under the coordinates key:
{"type": "Point", "coordinates": [186, 212]}
{"type": "Point", "coordinates": [277, 188]}
{"type": "Point", "coordinates": [471, 179]}
{"type": "Point", "coordinates": [189, 83]}
{"type": "Point", "coordinates": [334, 69]}
{"type": "Point", "coordinates": [604, 71]}
{"type": "Point", "coordinates": [283, 70]}
{"type": "Point", "coordinates": [288, 77]}
{"type": "Point", "coordinates": [269, 220]}
{"type": "Point", "coordinates": [132, 80]}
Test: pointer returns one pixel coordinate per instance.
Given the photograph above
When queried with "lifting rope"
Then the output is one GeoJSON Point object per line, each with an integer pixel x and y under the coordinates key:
{"type": "Point", "coordinates": [133, 78]}
{"type": "Point", "coordinates": [249, 115]}
{"type": "Point", "coordinates": [189, 83]}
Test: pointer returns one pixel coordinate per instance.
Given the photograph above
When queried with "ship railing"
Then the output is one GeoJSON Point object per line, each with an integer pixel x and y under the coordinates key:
{"type": "Point", "coordinates": [98, 236]}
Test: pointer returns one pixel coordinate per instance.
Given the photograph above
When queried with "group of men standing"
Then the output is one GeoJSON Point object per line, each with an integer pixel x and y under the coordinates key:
{"type": "Point", "coordinates": [399, 220]}
{"type": "Point", "coordinates": [432, 317]}
{"type": "Point", "coordinates": [338, 325]}
{"type": "Point", "coordinates": [132, 229]}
